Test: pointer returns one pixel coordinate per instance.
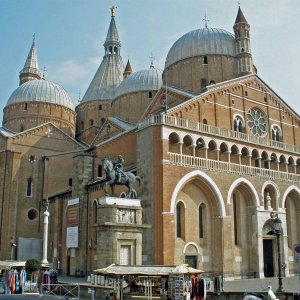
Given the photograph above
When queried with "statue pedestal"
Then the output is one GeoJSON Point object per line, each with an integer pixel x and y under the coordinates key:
{"type": "Point", "coordinates": [119, 231]}
{"type": "Point", "coordinates": [119, 201]}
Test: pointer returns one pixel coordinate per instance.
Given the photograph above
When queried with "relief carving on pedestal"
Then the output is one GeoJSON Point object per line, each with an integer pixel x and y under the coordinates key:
{"type": "Point", "coordinates": [126, 216]}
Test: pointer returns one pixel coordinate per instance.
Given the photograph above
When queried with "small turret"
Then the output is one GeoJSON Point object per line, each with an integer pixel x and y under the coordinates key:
{"type": "Point", "coordinates": [128, 70]}
{"type": "Point", "coordinates": [30, 70]}
{"type": "Point", "coordinates": [242, 43]}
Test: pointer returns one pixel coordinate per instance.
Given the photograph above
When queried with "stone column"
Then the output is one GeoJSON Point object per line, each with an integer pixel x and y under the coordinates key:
{"type": "Point", "coordinates": [45, 236]}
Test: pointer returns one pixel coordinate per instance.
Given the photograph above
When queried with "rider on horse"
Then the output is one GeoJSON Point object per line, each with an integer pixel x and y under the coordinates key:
{"type": "Point", "coordinates": [118, 167]}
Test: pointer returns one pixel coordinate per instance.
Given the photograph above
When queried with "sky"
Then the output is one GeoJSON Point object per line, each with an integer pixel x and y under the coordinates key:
{"type": "Point", "coordinates": [69, 37]}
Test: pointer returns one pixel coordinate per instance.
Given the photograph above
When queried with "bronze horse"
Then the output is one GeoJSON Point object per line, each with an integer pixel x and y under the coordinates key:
{"type": "Point", "coordinates": [127, 179]}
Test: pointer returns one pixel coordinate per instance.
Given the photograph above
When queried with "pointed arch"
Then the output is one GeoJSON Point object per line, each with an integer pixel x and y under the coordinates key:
{"type": "Point", "coordinates": [239, 181]}
{"type": "Point", "coordinates": [287, 191]}
{"type": "Point", "coordinates": [193, 175]}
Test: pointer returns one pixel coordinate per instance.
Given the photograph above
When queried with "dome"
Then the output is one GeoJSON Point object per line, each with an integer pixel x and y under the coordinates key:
{"type": "Point", "coordinates": [41, 91]}
{"type": "Point", "coordinates": [200, 42]}
{"type": "Point", "coordinates": [145, 80]}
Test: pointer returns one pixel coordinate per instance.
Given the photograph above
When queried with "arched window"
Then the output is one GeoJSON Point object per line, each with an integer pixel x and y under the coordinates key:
{"type": "Point", "coordinates": [205, 60]}
{"type": "Point", "coordinates": [235, 213]}
{"type": "Point", "coordinates": [21, 128]}
{"type": "Point", "coordinates": [29, 187]}
{"type": "Point", "coordinates": [25, 106]}
{"type": "Point", "coordinates": [201, 220]}
{"type": "Point", "coordinates": [238, 124]}
{"type": "Point", "coordinates": [95, 212]}
{"type": "Point", "coordinates": [91, 122]}
{"type": "Point", "coordinates": [150, 95]}
{"type": "Point", "coordinates": [100, 106]}
{"type": "Point", "coordinates": [100, 171]}
{"type": "Point", "coordinates": [180, 219]}
{"type": "Point", "coordinates": [203, 84]}
{"type": "Point", "coordinates": [110, 49]}
{"type": "Point", "coordinates": [204, 121]}
{"type": "Point", "coordinates": [276, 133]}
{"type": "Point", "coordinates": [115, 50]}
{"type": "Point", "coordinates": [70, 182]}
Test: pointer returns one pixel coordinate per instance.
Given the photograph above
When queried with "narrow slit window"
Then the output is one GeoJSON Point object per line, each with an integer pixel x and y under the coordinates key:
{"type": "Point", "coordinates": [29, 187]}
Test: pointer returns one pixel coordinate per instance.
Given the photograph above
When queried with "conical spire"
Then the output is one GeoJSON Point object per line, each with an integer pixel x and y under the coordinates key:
{"type": "Point", "coordinates": [240, 18]}
{"type": "Point", "coordinates": [112, 37]}
{"type": "Point", "coordinates": [128, 69]}
{"type": "Point", "coordinates": [110, 72]}
{"type": "Point", "coordinates": [30, 70]}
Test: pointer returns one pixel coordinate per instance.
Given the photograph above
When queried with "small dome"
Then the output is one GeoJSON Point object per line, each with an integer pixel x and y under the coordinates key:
{"type": "Point", "coordinates": [200, 42]}
{"type": "Point", "coordinates": [145, 80]}
{"type": "Point", "coordinates": [41, 91]}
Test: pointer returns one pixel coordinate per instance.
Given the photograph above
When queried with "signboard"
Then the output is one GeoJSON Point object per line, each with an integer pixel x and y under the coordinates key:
{"type": "Point", "coordinates": [72, 212]}
{"type": "Point", "coordinates": [297, 252]}
{"type": "Point", "coordinates": [72, 223]}
{"type": "Point", "coordinates": [72, 237]}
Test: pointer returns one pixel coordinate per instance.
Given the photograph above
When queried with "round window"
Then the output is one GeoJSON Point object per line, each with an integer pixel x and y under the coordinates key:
{"type": "Point", "coordinates": [32, 214]}
{"type": "Point", "coordinates": [257, 122]}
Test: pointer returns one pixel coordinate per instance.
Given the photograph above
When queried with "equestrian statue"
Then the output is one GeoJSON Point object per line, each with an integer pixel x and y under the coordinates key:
{"type": "Point", "coordinates": [115, 175]}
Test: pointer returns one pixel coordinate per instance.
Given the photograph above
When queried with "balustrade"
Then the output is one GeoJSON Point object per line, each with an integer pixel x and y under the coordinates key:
{"type": "Point", "coordinates": [209, 129]}
{"type": "Point", "coordinates": [226, 167]}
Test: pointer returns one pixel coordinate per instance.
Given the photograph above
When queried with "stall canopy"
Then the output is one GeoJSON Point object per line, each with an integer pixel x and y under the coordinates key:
{"type": "Point", "coordinates": [147, 270]}
{"type": "Point", "coordinates": [10, 264]}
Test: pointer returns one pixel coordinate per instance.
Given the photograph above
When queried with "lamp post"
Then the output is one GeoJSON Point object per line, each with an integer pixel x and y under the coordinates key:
{"type": "Point", "coordinates": [277, 230]}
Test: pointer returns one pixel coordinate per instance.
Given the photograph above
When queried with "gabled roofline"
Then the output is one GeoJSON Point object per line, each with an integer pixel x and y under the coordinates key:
{"type": "Point", "coordinates": [225, 84]}
{"type": "Point", "coordinates": [111, 121]}
{"type": "Point", "coordinates": [163, 89]}
{"type": "Point", "coordinates": [49, 124]}
{"type": "Point", "coordinates": [116, 136]}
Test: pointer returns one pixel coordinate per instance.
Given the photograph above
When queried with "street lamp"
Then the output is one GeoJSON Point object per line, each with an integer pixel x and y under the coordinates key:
{"type": "Point", "coordinates": [277, 230]}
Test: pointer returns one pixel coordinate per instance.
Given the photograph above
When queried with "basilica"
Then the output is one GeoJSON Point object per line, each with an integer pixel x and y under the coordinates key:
{"type": "Point", "coordinates": [213, 153]}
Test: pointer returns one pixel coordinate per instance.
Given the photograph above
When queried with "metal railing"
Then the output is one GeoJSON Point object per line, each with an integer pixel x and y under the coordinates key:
{"type": "Point", "coordinates": [217, 131]}
{"type": "Point", "coordinates": [226, 167]}
{"type": "Point", "coordinates": [68, 291]}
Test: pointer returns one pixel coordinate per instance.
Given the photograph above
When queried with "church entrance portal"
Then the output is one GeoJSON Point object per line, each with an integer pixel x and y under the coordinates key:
{"type": "Point", "coordinates": [268, 258]}
{"type": "Point", "coordinates": [191, 260]}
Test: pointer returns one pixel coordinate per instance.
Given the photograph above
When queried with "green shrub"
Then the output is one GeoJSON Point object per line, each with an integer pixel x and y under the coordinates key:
{"type": "Point", "coordinates": [32, 265]}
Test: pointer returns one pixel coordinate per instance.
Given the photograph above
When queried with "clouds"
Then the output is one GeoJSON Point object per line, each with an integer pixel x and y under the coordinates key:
{"type": "Point", "coordinates": [68, 72]}
{"type": "Point", "coordinates": [74, 76]}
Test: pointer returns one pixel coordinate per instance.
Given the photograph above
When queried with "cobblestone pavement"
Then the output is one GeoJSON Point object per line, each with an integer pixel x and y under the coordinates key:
{"type": "Point", "coordinates": [290, 284]}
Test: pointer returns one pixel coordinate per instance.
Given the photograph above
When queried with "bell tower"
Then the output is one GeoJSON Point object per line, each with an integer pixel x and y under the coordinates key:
{"type": "Point", "coordinates": [242, 44]}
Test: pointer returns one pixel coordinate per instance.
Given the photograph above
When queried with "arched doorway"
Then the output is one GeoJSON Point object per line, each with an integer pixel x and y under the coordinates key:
{"type": "Point", "coordinates": [272, 248]}
{"type": "Point", "coordinates": [191, 255]}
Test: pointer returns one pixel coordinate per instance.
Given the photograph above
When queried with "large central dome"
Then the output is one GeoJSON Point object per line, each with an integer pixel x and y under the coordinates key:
{"type": "Point", "coordinates": [200, 42]}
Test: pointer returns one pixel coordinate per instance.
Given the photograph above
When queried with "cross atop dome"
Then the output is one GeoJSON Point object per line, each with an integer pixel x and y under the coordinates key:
{"type": "Point", "coordinates": [205, 20]}
{"type": "Point", "coordinates": [152, 58]}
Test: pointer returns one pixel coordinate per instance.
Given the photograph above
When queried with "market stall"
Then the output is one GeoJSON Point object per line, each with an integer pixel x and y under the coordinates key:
{"type": "Point", "coordinates": [150, 282]}
{"type": "Point", "coordinates": [14, 278]}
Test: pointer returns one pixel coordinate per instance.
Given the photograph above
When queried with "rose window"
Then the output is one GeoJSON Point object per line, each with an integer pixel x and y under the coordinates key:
{"type": "Point", "coordinates": [257, 122]}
